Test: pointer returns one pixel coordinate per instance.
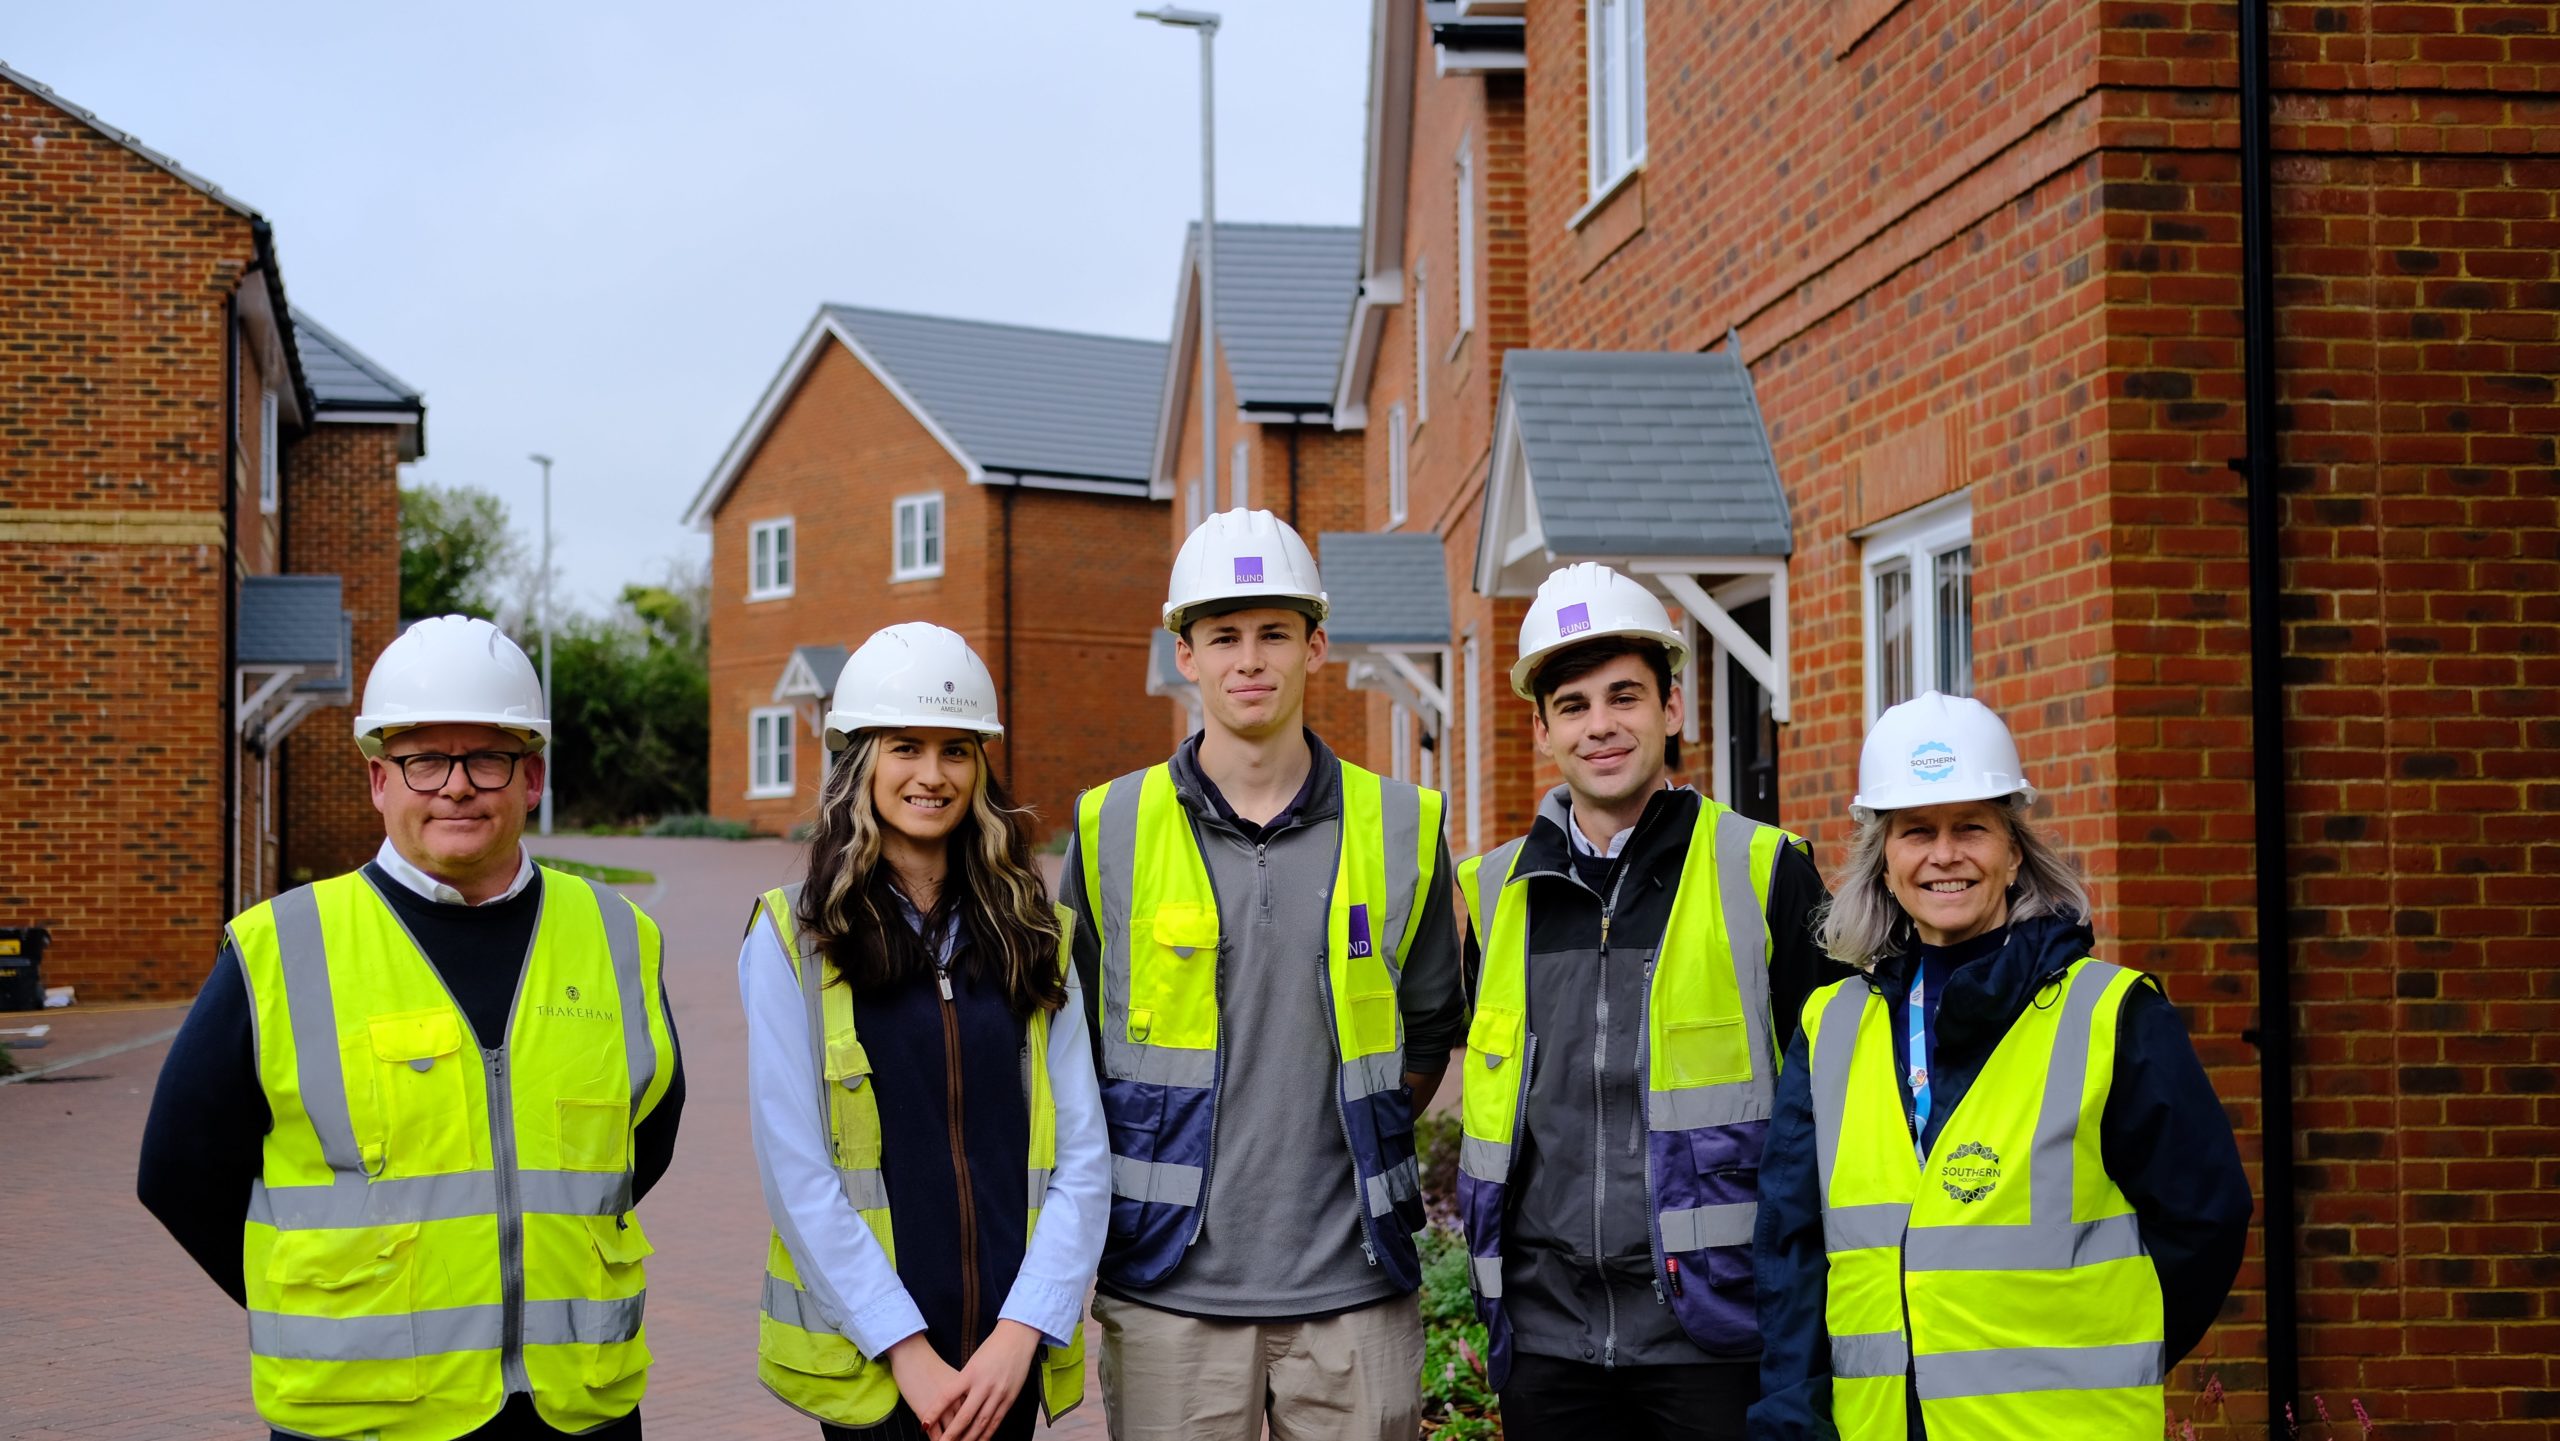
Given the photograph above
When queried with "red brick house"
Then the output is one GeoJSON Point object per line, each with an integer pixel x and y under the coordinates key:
{"type": "Point", "coordinates": [1973, 269]}
{"type": "Point", "coordinates": [990, 478]}
{"type": "Point", "coordinates": [192, 562]}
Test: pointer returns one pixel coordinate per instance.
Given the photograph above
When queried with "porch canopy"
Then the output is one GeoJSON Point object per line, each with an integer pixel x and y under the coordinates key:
{"type": "Point", "coordinates": [1388, 621]}
{"type": "Point", "coordinates": [1656, 464]}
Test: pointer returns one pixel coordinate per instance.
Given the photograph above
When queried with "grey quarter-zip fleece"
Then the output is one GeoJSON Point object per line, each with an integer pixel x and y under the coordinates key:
{"type": "Point", "coordinates": [1280, 1235]}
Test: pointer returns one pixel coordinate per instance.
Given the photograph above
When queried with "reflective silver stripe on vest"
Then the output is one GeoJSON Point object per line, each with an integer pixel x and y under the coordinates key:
{"type": "Point", "coordinates": [1834, 1046]}
{"type": "Point", "coordinates": [792, 1306]}
{"type": "Point", "coordinates": [304, 958]}
{"type": "Point", "coordinates": [864, 1189]}
{"type": "Point", "coordinates": [1400, 819]}
{"type": "Point", "coordinates": [2010, 1371]}
{"type": "Point", "coordinates": [1155, 1181]}
{"type": "Point", "coordinates": [622, 940]}
{"type": "Point", "coordinates": [1705, 1226]}
{"type": "Point", "coordinates": [1865, 1354]}
{"type": "Point", "coordinates": [1374, 1074]}
{"type": "Point", "coordinates": [1488, 1273]}
{"type": "Point", "coordinates": [1746, 933]}
{"type": "Point", "coordinates": [1039, 1187]}
{"type": "Point", "coordinates": [1864, 1228]}
{"type": "Point", "coordinates": [2051, 1240]}
{"type": "Point", "coordinates": [1400, 1182]}
{"type": "Point", "coordinates": [573, 1193]}
{"type": "Point", "coordinates": [356, 1202]}
{"type": "Point", "coordinates": [585, 1321]}
{"type": "Point", "coordinates": [285, 1337]}
{"type": "Point", "coordinates": [1116, 858]}
{"type": "Point", "coordinates": [1492, 874]}
{"type": "Point", "coordinates": [1485, 1160]}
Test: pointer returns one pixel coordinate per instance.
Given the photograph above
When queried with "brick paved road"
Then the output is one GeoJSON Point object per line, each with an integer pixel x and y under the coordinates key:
{"type": "Point", "coordinates": [107, 1330]}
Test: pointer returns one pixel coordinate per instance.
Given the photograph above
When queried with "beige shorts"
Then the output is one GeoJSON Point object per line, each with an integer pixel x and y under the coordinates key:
{"type": "Point", "coordinates": [1350, 1377]}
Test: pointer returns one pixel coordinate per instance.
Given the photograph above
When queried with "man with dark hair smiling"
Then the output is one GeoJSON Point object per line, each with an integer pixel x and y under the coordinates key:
{"type": "Point", "coordinates": [1268, 947]}
{"type": "Point", "coordinates": [1638, 952]}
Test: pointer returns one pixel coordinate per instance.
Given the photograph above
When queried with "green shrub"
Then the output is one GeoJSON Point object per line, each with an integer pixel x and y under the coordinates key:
{"type": "Point", "coordinates": [1457, 1405]}
{"type": "Point", "coordinates": [700, 826]}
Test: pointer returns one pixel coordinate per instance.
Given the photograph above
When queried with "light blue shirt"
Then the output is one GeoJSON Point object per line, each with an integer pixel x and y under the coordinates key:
{"type": "Point", "coordinates": [846, 1273]}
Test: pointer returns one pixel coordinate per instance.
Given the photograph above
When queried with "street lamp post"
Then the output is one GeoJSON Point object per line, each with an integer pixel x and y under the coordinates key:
{"type": "Point", "coordinates": [1206, 22]}
{"type": "Point", "coordinates": [550, 707]}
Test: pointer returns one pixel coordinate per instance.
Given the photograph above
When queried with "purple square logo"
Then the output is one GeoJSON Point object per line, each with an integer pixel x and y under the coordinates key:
{"type": "Point", "coordinates": [1359, 927]}
{"type": "Point", "coordinates": [1248, 570]}
{"type": "Point", "coordinates": [1574, 619]}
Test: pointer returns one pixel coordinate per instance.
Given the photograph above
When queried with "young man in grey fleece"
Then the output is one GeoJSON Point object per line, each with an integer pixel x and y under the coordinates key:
{"type": "Point", "coordinates": [1261, 1264]}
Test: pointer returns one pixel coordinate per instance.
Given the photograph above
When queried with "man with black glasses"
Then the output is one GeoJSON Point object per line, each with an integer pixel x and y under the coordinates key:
{"type": "Point", "coordinates": [407, 1120]}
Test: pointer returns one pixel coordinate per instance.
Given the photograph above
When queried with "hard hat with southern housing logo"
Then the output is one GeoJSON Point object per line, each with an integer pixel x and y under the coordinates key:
{"type": "Point", "coordinates": [1933, 749]}
{"type": "Point", "coordinates": [1585, 602]}
{"type": "Point", "coordinates": [452, 670]}
{"type": "Point", "coordinates": [913, 674]}
{"type": "Point", "coordinates": [1237, 558]}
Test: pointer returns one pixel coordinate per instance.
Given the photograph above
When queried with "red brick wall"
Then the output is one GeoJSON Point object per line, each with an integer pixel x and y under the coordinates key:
{"type": "Point", "coordinates": [342, 517]}
{"type": "Point", "coordinates": [835, 460]}
{"type": "Point", "coordinates": [112, 702]}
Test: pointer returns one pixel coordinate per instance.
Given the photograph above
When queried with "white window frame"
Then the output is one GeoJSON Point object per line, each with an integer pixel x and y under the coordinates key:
{"type": "Point", "coordinates": [772, 752]}
{"type": "Point", "coordinates": [773, 558]}
{"type": "Point", "coordinates": [1421, 341]}
{"type": "Point", "coordinates": [1239, 481]}
{"type": "Point", "coordinates": [1399, 468]}
{"type": "Point", "coordinates": [1399, 742]}
{"type": "Point", "coordinates": [1911, 543]}
{"type": "Point", "coordinates": [1615, 113]}
{"type": "Point", "coordinates": [270, 463]}
{"type": "Point", "coordinates": [1466, 242]}
{"type": "Point", "coordinates": [1192, 505]}
{"type": "Point", "coordinates": [1471, 675]}
{"type": "Point", "coordinates": [931, 534]}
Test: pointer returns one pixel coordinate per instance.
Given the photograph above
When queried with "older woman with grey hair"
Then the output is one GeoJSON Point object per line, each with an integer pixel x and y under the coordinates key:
{"type": "Point", "coordinates": [2000, 1197]}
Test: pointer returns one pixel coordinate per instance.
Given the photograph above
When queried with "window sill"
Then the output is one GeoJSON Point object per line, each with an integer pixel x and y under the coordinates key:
{"type": "Point", "coordinates": [1600, 198]}
{"type": "Point", "coordinates": [1614, 217]}
{"type": "Point", "coordinates": [756, 596]}
{"type": "Point", "coordinates": [901, 577]}
{"type": "Point", "coordinates": [1457, 346]}
{"type": "Point", "coordinates": [784, 795]}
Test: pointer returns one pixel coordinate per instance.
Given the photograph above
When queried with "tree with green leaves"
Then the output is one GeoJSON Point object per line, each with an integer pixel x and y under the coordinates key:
{"type": "Point", "coordinates": [456, 553]}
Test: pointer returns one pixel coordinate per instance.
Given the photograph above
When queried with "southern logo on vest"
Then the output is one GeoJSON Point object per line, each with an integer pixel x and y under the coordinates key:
{"type": "Point", "coordinates": [572, 1010]}
{"type": "Point", "coordinates": [1965, 1183]}
{"type": "Point", "coordinates": [1359, 928]}
{"type": "Point", "coordinates": [1932, 761]}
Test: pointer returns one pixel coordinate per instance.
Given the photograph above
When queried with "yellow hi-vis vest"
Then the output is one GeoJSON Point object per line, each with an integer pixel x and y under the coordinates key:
{"type": "Point", "coordinates": [436, 1226]}
{"type": "Point", "coordinates": [2033, 1307]}
{"type": "Point", "coordinates": [1711, 1069]}
{"type": "Point", "coordinates": [798, 1356]}
{"type": "Point", "coordinates": [1157, 916]}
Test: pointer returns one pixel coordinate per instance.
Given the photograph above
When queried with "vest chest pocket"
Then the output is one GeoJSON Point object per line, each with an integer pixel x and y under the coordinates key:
{"type": "Point", "coordinates": [1173, 977]}
{"type": "Point", "coordinates": [422, 1094]}
{"type": "Point", "coordinates": [1373, 1021]}
{"type": "Point", "coordinates": [618, 1348]}
{"type": "Point", "coordinates": [1494, 1037]}
{"type": "Point", "coordinates": [1711, 1052]}
{"type": "Point", "coordinates": [594, 1135]}
{"type": "Point", "coordinates": [343, 1329]}
{"type": "Point", "coordinates": [853, 1118]}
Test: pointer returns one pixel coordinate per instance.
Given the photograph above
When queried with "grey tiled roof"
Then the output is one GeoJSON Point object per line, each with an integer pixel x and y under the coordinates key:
{"type": "Point", "coordinates": [1019, 399]}
{"type": "Point", "coordinates": [1647, 453]}
{"type": "Point", "coordinates": [343, 377]}
{"type": "Point", "coordinates": [1284, 304]}
{"type": "Point", "coordinates": [825, 663]}
{"type": "Point", "coordinates": [335, 687]}
{"type": "Point", "coordinates": [291, 620]}
{"type": "Point", "coordinates": [1384, 589]}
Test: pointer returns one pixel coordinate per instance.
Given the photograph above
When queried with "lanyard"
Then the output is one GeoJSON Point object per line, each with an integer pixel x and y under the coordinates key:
{"type": "Point", "coordinates": [1919, 1060]}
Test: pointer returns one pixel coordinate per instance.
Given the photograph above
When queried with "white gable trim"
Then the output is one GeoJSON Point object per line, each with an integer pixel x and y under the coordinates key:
{"type": "Point", "coordinates": [750, 437]}
{"type": "Point", "coordinates": [1387, 170]}
{"type": "Point", "coordinates": [1181, 366]}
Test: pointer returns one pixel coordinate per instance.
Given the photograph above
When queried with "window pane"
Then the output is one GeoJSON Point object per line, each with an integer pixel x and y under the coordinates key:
{"type": "Point", "coordinates": [782, 557]}
{"type": "Point", "coordinates": [1955, 620]}
{"type": "Point", "coordinates": [932, 529]}
{"type": "Point", "coordinates": [1603, 26]}
{"type": "Point", "coordinates": [1239, 490]}
{"type": "Point", "coordinates": [906, 535]}
{"type": "Point", "coordinates": [1631, 79]}
{"type": "Point", "coordinates": [1466, 240]}
{"type": "Point", "coordinates": [782, 776]}
{"type": "Point", "coordinates": [761, 576]}
{"type": "Point", "coordinates": [1893, 636]}
{"type": "Point", "coordinates": [761, 749]}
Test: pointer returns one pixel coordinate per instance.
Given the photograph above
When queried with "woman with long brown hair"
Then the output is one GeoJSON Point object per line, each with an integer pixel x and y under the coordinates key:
{"type": "Point", "coordinates": [927, 1125]}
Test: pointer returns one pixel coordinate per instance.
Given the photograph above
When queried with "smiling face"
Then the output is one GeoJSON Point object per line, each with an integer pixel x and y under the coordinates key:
{"type": "Point", "coordinates": [922, 781]}
{"type": "Point", "coordinates": [1606, 730]}
{"type": "Point", "coordinates": [1951, 866]}
{"type": "Point", "coordinates": [1251, 667]}
{"type": "Point", "coordinates": [460, 833]}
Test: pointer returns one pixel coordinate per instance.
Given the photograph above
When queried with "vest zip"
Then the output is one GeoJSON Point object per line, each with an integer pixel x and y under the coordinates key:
{"type": "Point", "coordinates": [502, 1143]}
{"type": "Point", "coordinates": [1902, 1271]}
{"type": "Point", "coordinates": [960, 1166]}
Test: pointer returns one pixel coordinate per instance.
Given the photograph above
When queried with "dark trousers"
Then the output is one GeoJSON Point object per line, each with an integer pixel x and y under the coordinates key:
{"type": "Point", "coordinates": [517, 1421]}
{"type": "Point", "coordinates": [902, 1424]}
{"type": "Point", "coordinates": [1578, 1401]}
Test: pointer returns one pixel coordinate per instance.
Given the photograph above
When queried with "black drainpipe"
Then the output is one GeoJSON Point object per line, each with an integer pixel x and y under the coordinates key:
{"type": "Point", "coordinates": [1293, 473]}
{"type": "Point", "coordinates": [230, 681]}
{"type": "Point", "coordinates": [2274, 1033]}
{"type": "Point", "coordinates": [1009, 714]}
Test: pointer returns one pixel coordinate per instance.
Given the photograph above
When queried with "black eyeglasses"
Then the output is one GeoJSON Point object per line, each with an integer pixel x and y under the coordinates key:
{"type": "Point", "coordinates": [426, 771]}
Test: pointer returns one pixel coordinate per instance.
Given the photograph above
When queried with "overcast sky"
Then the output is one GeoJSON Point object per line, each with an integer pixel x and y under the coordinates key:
{"type": "Point", "coordinates": [596, 231]}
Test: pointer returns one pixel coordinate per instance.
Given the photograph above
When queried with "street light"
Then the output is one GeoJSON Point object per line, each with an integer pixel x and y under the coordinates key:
{"type": "Point", "coordinates": [550, 777]}
{"type": "Point", "coordinates": [1206, 22]}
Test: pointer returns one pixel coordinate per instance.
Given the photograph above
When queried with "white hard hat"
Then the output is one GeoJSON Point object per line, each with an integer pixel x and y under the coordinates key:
{"type": "Point", "coordinates": [913, 674]}
{"type": "Point", "coordinates": [1243, 556]}
{"type": "Point", "coordinates": [452, 670]}
{"type": "Point", "coordinates": [1933, 749]}
{"type": "Point", "coordinates": [1585, 602]}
